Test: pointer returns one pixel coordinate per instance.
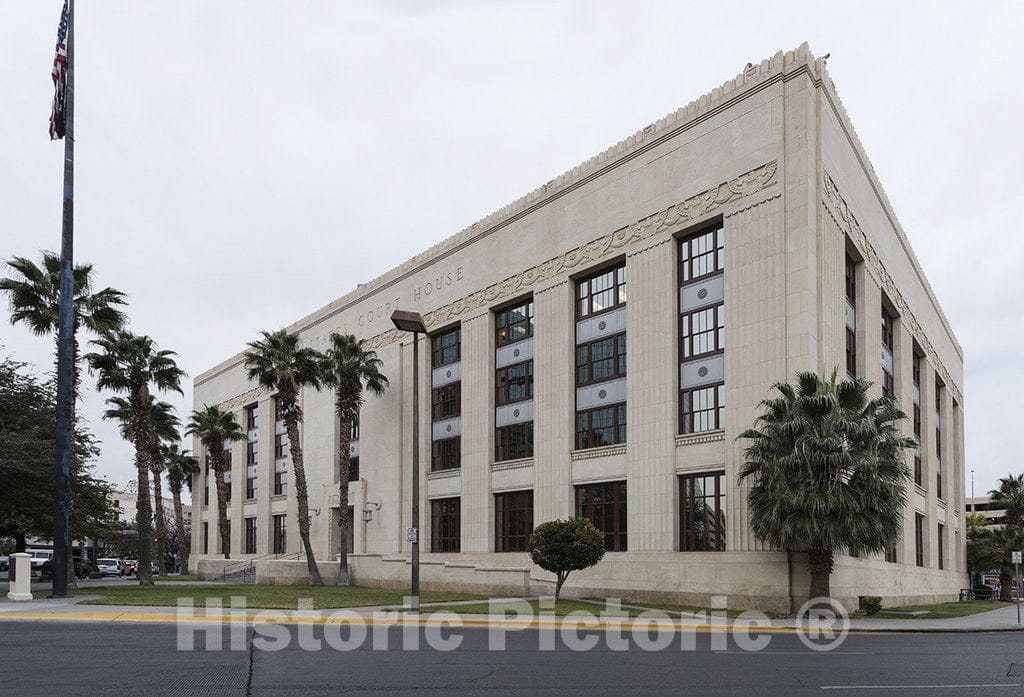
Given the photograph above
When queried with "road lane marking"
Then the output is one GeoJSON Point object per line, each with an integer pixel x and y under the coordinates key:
{"type": "Point", "coordinates": [918, 687]}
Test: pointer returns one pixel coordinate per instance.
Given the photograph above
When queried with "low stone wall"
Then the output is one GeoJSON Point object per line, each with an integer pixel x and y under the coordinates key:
{"type": "Point", "coordinates": [440, 575]}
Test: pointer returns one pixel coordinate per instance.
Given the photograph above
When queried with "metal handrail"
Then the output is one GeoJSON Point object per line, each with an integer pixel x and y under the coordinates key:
{"type": "Point", "coordinates": [247, 565]}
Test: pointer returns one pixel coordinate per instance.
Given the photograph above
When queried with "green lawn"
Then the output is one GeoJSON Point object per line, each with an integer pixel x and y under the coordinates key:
{"type": "Point", "coordinates": [565, 606]}
{"type": "Point", "coordinates": [177, 577]}
{"type": "Point", "coordinates": [258, 596]}
{"type": "Point", "coordinates": [940, 611]}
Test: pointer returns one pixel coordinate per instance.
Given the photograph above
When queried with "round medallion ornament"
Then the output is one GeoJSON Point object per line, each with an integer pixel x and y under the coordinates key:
{"type": "Point", "coordinates": [702, 371]}
{"type": "Point", "coordinates": [448, 374]}
{"type": "Point", "coordinates": [702, 293]}
{"type": "Point", "coordinates": [516, 353]}
{"type": "Point", "coordinates": [602, 394]}
{"type": "Point", "coordinates": [515, 412]}
{"type": "Point", "coordinates": [602, 325]}
{"type": "Point", "coordinates": [449, 428]}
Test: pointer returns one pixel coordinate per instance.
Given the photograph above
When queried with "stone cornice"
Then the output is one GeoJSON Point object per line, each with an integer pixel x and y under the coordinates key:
{"type": "Point", "coordinates": [698, 438]}
{"type": "Point", "coordinates": [445, 474]}
{"type": "Point", "coordinates": [512, 464]}
{"type": "Point", "coordinates": [604, 451]}
{"type": "Point", "coordinates": [840, 212]}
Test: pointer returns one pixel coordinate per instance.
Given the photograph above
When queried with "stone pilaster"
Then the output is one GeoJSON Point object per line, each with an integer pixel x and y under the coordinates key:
{"type": "Point", "coordinates": [477, 504]}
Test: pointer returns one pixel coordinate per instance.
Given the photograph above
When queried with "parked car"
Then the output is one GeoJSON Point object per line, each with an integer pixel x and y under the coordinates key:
{"type": "Point", "coordinates": [129, 567]}
{"type": "Point", "coordinates": [37, 557]}
{"type": "Point", "coordinates": [83, 569]}
{"type": "Point", "coordinates": [109, 567]}
{"type": "Point", "coordinates": [5, 563]}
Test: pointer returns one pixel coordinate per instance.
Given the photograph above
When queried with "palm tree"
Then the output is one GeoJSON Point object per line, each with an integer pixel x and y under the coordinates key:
{"type": "Point", "coordinates": [165, 429]}
{"type": "Point", "coordinates": [828, 472]}
{"type": "Point", "coordinates": [993, 551]}
{"type": "Point", "coordinates": [129, 363]}
{"type": "Point", "coordinates": [215, 427]}
{"type": "Point", "coordinates": [33, 293]}
{"type": "Point", "coordinates": [181, 467]}
{"type": "Point", "coordinates": [1010, 496]}
{"type": "Point", "coordinates": [277, 362]}
{"type": "Point", "coordinates": [349, 367]}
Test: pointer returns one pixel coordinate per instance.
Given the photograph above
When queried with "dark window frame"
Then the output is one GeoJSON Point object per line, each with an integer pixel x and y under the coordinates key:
{"type": "Point", "coordinates": [919, 539]}
{"type": "Point", "coordinates": [439, 349]}
{"type": "Point", "coordinates": [710, 539]}
{"type": "Point", "coordinates": [620, 423]}
{"type": "Point", "coordinates": [503, 447]}
{"type": "Point", "coordinates": [688, 260]}
{"type": "Point", "coordinates": [446, 525]}
{"type": "Point", "coordinates": [585, 293]}
{"type": "Point", "coordinates": [252, 417]}
{"type": "Point", "coordinates": [686, 335]}
{"type": "Point", "coordinates": [446, 454]}
{"type": "Point", "coordinates": [687, 418]}
{"type": "Point", "coordinates": [503, 324]}
{"type": "Point", "coordinates": [446, 401]}
{"type": "Point", "coordinates": [250, 535]}
{"type": "Point", "coordinates": [513, 520]}
{"type": "Point", "coordinates": [279, 533]}
{"type": "Point", "coordinates": [585, 501]}
{"type": "Point", "coordinates": [618, 359]}
{"type": "Point", "coordinates": [502, 383]}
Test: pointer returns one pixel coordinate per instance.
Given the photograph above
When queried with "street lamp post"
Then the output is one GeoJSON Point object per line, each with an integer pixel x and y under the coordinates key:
{"type": "Point", "coordinates": [413, 322]}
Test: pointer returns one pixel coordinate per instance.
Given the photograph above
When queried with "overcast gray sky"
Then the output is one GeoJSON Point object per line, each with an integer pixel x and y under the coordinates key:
{"type": "Point", "coordinates": [239, 164]}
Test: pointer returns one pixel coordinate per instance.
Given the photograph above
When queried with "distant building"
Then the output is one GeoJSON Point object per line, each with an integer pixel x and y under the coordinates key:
{"type": "Point", "coordinates": [983, 504]}
{"type": "Point", "coordinates": [126, 502]}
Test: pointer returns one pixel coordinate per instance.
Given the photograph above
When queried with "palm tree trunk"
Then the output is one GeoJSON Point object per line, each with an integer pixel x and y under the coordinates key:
{"type": "Point", "coordinates": [158, 514]}
{"type": "Point", "coordinates": [143, 510]}
{"type": "Point", "coordinates": [344, 466]}
{"type": "Point", "coordinates": [819, 563]}
{"type": "Point", "coordinates": [1005, 585]}
{"type": "Point", "coordinates": [301, 494]}
{"type": "Point", "coordinates": [179, 524]}
{"type": "Point", "coordinates": [217, 446]}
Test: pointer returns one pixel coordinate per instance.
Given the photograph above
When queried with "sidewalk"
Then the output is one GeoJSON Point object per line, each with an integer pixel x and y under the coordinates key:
{"type": "Point", "coordinates": [77, 608]}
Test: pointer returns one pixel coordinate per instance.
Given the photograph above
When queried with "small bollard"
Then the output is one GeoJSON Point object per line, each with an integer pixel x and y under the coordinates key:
{"type": "Point", "coordinates": [21, 585]}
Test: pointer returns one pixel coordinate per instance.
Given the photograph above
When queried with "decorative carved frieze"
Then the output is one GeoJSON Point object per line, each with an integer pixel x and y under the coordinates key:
{"type": "Point", "coordinates": [663, 221]}
{"type": "Point", "coordinates": [837, 207]}
{"type": "Point", "coordinates": [603, 451]}
{"type": "Point", "coordinates": [697, 438]}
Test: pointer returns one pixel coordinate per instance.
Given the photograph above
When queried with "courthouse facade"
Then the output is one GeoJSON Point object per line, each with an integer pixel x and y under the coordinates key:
{"type": "Point", "coordinates": [594, 349]}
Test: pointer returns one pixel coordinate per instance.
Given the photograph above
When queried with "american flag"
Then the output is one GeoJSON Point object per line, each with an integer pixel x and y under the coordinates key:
{"type": "Point", "coordinates": [60, 77]}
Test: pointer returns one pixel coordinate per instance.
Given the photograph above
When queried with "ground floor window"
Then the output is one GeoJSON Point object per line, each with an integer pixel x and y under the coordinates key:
{"type": "Point", "coordinates": [703, 409]}
{"type": "Point", "coordinates": [702, 512]}
{"type": "Point", "coordinates": [513, 521]}
{"type": "Point", "coordinates": [604, 426]}
{"type": "Point", "coordinates": [919, 539]}
{"type": "Point", "coordinates": [353, 469]}
{"type": "Point", "coordinates": [890, 554]}
{"type": "Point", "coordinates": [444, 525]}
{"type": "Point", "coordinates": [942, 543]}
{"type": "Point", "coordinates": [206, 538]}
{"type": "Point", "coordinates": [279, 534]}
{"type": "Point", "coordinates": [445, 454]}
{"type": "Point", "coordinates": [513, 442]}
{"type": "Point", "coordinates": [604, 505]}
{"type": "Point", "coordinates": [227, 550]}
{"type": "Point", "coordinates": [250, 536]}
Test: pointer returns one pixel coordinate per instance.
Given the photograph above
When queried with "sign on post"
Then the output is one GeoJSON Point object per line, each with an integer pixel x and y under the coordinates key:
{"type": "Point", "coordinates": [412, 535]}
{"type": "Point", "coordinates": [1015, 557]}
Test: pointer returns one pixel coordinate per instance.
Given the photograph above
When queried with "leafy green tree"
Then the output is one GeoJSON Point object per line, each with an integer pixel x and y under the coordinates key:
{"type": "Point", "coordinates": [564, 546]}
{"type": "Point", "coordinates": [215, 427]}
{"type": "Point", "coordinates": [131, 364]}
{"type": "Point", "coordinates": [828, 472]}
{"type": "Point", "coordinates": [277, 362]}
{"type": "Point", "coordinates": [1010, 496]}
{"type": "Point", "coordinates": [182, 466]}
{"type": "Point", "coordinates": [976, 530]}
{"type": "Point", "coordinates": [27, 426]}
{"type": "Point", "coordinates": [349, 368]}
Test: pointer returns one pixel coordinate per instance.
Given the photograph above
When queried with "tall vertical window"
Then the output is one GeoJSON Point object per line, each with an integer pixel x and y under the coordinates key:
{"type": "Point", "coordinates": [513, 382]}
{"type": "Point", "coordinates": [250, 536]}
{"type": "Point", "coordinates": [605, 506]}
{"type": "Point", "coordinates": [851, 318]}
{"type": "Point", "coordinates": [888, 382]}
{"type": "Point", "coordinates": [919, 539]}
{"type": "Point", "coordinates": [513, 521]}
{"type": "Point", "coordinates": [228, 530]}
{"type": "Point", "coordinates": [206, 538]}
{"type": "Point", "coordinates": [279, 534]}
{"type": "Point", "coordinates": [601, 357]}
{"type": "Point", "coordinates": [938, 436]}
{"type": "Point", "coordinates": [702, 512]}
{"type": "Point", "coordinates": [353, 460]}
{"type": "Point", "coordinates": [445, 400]}
{"type": "Point", "coordinates": [702, 331]}
{"type": "Point", "coordinates": [280, 452]}
{"type": "Point", "coordinates": [601, 292]}
{"type": "Point", "coordinates": [445, 535]}
{"type": "Point", "coordinates": [252, 417]}
{"type": "Point", "coordinates": [918, 473]}
{"type": "Point", "coordinates": [207, 481]}
{"type": "Point", "coordinates": [941, 541]}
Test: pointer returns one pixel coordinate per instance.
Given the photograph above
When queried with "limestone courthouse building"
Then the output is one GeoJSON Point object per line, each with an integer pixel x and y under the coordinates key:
{"type": "Point", "coordinates": [594, 349]}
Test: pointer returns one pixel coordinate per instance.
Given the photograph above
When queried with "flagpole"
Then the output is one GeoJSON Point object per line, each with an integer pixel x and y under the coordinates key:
{"type": "Point", "coordinates": [65, 338]}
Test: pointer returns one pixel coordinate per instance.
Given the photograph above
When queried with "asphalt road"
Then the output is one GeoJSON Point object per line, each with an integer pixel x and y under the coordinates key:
{"type": "Point", "coordinates": [102, 658]}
